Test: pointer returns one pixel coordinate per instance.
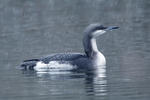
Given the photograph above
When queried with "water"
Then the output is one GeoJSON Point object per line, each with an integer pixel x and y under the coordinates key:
{"type": "Point", "coordinates": [34, 28]}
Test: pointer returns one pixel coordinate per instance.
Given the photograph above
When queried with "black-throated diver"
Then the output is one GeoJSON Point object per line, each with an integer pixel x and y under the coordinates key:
{"type": "Point", "coordinates": [88, 60]}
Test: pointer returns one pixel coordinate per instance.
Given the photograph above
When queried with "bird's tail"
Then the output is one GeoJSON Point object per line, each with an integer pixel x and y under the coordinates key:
{"type": "Point", "coordinates": [29, 64]}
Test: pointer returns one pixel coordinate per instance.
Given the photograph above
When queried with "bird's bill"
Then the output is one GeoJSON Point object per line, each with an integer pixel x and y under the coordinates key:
{"type": "Point", "coordinates": [111, 27]}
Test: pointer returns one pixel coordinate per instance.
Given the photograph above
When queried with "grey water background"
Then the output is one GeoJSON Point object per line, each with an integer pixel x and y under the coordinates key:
{"type": "Point", "coordinates": [34, 28]}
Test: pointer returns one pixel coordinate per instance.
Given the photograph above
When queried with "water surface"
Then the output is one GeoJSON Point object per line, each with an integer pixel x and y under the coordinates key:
{"type": "Point", "coordinates": [34, 28]}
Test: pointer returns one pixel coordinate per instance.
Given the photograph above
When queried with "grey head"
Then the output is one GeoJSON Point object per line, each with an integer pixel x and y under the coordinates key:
{"type": "Point", "coordinates": [96, 29]}
{"type": "Point", "coordinates": [90, 33]}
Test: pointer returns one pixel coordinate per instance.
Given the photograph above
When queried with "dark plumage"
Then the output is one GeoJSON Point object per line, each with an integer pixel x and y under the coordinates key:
{"type": "Point", "coordinates": [29, 64]}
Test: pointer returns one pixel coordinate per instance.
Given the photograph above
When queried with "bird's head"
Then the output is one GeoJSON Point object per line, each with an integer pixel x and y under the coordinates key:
{"type": "Point", "coordinates": [94, 30]}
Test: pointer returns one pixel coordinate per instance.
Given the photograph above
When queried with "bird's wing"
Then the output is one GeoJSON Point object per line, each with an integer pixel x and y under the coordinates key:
{"type": "Point", "coordinates": [62, 57]}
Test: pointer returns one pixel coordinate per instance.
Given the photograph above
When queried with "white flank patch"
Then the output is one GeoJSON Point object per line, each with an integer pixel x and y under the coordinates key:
{"type": "Point", "coordinates": [53, 66]}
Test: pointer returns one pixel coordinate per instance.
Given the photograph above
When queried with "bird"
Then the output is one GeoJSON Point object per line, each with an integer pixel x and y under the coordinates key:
{"type": "Point", "coordinates": [90, 59]}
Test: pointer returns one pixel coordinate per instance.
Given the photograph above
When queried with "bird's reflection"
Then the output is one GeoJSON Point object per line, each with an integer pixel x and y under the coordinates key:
{"type": "Point", "coordinates": [96, 83]}
{"type": "Point", "coordinates": [62, 82]}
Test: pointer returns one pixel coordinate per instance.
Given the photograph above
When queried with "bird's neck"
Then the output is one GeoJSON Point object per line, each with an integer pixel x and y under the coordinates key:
{"type": "Point", "coordinates": [90, 46]}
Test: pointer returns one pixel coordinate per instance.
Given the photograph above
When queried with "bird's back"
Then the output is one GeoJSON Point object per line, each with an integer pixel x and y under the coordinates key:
{"type": "Point", "coordinates": [62, 57]}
